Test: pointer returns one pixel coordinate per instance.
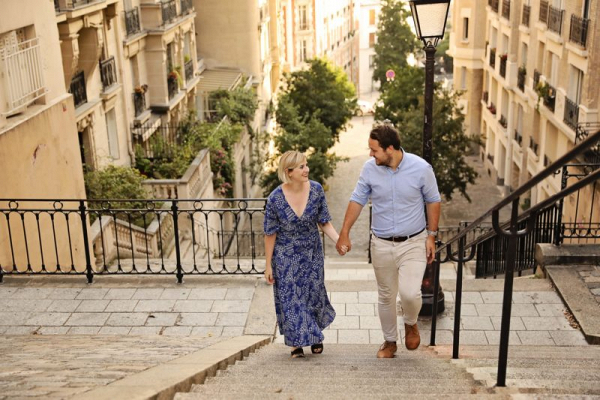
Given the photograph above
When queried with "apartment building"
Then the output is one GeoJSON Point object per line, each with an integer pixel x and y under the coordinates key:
{"type": "Point", "coordinates": [321, 28]}
{"type": "Point", "coordinates": [529, 72]}
{"type": "Point", "coordinates": [368, 19]}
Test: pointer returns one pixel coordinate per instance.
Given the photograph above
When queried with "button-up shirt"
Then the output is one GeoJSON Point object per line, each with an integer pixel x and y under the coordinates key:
{"type": "Point", "coordinates": [397, 196]}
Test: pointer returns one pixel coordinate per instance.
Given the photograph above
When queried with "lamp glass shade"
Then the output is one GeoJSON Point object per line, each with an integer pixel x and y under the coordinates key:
{"type": "Point", "coordinates": [430, 18]}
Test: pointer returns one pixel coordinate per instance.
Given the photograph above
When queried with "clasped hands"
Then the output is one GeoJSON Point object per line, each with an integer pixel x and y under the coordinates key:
{"type": "Point", "coordinates": [343, 246]}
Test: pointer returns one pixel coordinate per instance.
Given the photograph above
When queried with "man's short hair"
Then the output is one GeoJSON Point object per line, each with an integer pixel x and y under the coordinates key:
{"type": "Point", "coordinates": [288, 161]}
{"type": "Point", "coordinates": [386, 135]}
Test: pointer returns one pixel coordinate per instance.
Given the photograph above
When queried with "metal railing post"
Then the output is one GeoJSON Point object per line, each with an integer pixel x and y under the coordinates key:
{"type": "Point", "coordinates": [436, 289]}
{"type": "Point", "coordinates": [86, 245]}
{"type": "Point", "coordinates": [177, 246]}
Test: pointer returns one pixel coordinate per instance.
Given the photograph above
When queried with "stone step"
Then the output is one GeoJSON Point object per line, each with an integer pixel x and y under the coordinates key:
{"type": "Point", "coordinates": [330, 396]}
{"type": "Point", "coordinates": [540, 371]}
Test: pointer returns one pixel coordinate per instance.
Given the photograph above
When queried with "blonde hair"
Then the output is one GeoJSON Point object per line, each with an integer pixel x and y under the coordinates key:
{"type": "Point", "coordinates": [289, 160]}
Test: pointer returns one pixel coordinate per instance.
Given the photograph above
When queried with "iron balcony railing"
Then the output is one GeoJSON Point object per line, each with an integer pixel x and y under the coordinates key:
{"type": "Point", "coordinates": [139, 102]}
{"type": "Point", "coordinates": [71, 4]}
{"type": "Point", "coordinates": [521, 75]}
{"type": "Point", "coordinates": [503, 59]}
{"type": "Point", "coordinates": [172, 85]}
{"type": "Point", "coordinates": [578, 31]}
{"type": "Point", "coordinates": [108, 72]}
{"type": "Point", "coordinates": [518, 137]}
{"type": "Point", "coordinates": [525, 16]}
{"type": "Point", "coordinates": [555, 19]}
{"type": "Point", "coordinates": [583, 131]}
{"type": "Point", "coordinates": [549, 96]}
{"type": "Point", "coordinates": [544, 12]}
{"type": "Point", "coordinates": [189, 70]}
{"type": "Point", "coordinates": [485, 97]}
{"type": "Point", "coordinates": [56, 6]}
{"type": "Point", "coordinates": [533, 146]}
{"type": "Point", "coordinates": [132, 21]}
{"type": "Point", "coordinates": [503, 121]}
{"type": "Point", "coordinates": [571, 113]}
{"type": "Point", "coordinates": [506, 9]}
{"type": "Point", "coordinates": [536, 78]}
{"type": "Point", "coordinates": [493, 58]}
{"type": "Point", "coordinates": [186, 6]}
{"type": "Point", "coordinates": [512, 234]}
{"type": "Point", "coordinates": [168, 10]}
{"type": "Point", "coordinates": [78, 90]}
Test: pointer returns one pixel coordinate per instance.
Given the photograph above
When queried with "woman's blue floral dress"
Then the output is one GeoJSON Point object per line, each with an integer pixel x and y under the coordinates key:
{"type": "Point", "coordinates": [301, 303]}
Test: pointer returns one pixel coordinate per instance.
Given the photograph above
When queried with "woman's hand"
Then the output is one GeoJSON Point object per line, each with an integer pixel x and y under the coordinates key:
{"type": "Point", "coordinates": [269, 275]}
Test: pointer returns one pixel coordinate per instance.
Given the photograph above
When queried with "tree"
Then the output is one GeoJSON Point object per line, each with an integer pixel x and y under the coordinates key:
{"type": "Point", "coordinates": [395, 40]}
{"type": "Point", "coordinates": [403, 106]}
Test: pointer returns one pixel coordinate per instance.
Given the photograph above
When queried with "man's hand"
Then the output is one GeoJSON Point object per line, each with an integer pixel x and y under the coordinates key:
{"type": "Point", "coordinates": [430, 249]}
{"type": "Point", "coordinates": [269, 275]}
{"type": "Point", "coordinates": [343, 244]}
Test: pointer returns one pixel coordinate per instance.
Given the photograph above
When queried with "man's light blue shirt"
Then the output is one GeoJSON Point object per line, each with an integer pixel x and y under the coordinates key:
{"type": "Point", "coordinates": [397, 196]}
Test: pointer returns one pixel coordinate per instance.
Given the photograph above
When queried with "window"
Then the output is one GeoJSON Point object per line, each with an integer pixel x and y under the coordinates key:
{"type": "Point", "coordinates": [575, 84]}
{"type": "Point", "coordinates": [554, 69]}
{"type": "Point", "coordinates": [371, 17]}
{"type": "Point", "coordinates": [523, 54]}
{"type": "Point", "coordinates": [463, 78]}
{"type": "Point", "coordinates": [465, 29]}
{"type": "Point", "coordinates": [302, 19]}
{"type": "Point", "coordinates": [113, 134]}
{"type": "Point", "coordinates": [303, 51]}
{"type": "Point", "coordinates": [372, 39]}
{"type": "Point", "coordinates": [371, 60]}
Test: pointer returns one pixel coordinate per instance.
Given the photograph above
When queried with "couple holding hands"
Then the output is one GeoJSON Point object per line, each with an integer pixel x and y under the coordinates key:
{"type": "Point", "coordinates": [400, 185]}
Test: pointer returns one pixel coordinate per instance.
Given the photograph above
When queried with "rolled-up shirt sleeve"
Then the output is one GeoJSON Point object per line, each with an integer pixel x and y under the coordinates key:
{"type": "Point", "coordinates": [429, 187]}
{"type": "Point", "coordinates": [362, 191]}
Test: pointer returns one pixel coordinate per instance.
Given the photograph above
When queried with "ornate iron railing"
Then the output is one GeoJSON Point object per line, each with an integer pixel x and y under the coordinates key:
{"type": "Point", "coordinates": [78, 90]}
{"type": "Point", "coordinates": [493, 58]}
{"type": "Point", "coordinates": [186, 6]}
{"type": "Point", "coordinates": [506, 9]}
{"type": "Point", "coordinates": [503, 59]}
{"type": "Point", "coordinates": [521, 75]}
{"type": "Point", "coordinates": [525, 15]}
{"type": "Point", "coordinates": [139, 102]}
{"type": "Point", "coordinates": [108, 72]}
{"type": "Point", "coordinates": [536, 78]}
{"type": "Point", "coordinates": [189, 70]}
{"type": "Point", "coordinates": [549, 96]}
{"type": "Point", "coordinates": [555, 19]}
{"type": "Point", "coordinates": [571, 113]}
{"type": "Point", "coordinates": [578, 31]}
{"type": "Point", "coordinates": [172, 86]}
{"type": "Point", "coordinates": [533, 146]}
{"type": "Point", "coordinates": [132, 21]}
{"type": "Point", "coordinates": [592, 155]}
{"type": "Point", "coordinates": [518, 137]}
{"type": "Point", "coordinates": [168, 10]}
{"type": "Point", "coordinates": [56, 6]}
{"type": "Point", "coordinates": [541, 220]}
{"type": "Point", "coordinates": [544, 12]}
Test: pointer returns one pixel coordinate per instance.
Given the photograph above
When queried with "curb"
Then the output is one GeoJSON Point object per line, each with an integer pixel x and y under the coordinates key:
{"type": "Point", "coordinates": [163, 381]}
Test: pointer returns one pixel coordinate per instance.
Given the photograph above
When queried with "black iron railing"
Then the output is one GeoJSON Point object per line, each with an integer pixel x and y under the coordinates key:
{"type": "Point", "coordinates": [78, 3]}
{"type": "Point", "coordinates": [78, 90]}
{"type": "Point", "coordinates": [515, 240]}
{"type": "Point", "coordinates": [578, 31]}
{"type": "Point", "coordinates": [521, 75]}
{"type": "Point", "coordinates": [493, 58]}
{"type": "Point", "coordinates": [525, 16]}
{"type": "Point", "coordinates": [584, 130]}
{"type": "Point", "coordinates": [189, 70]}
{"type": "Point", "coordinates": [168, 10]}
{"type": "Point", "coordinates": [503, 121]}
{"type": "Point", "coordinates": [172, 85]}
{"type": "Point", "coordinates": [544, 11]}
{"type": "Point", "coordinates": [108, 72]}
{"type": "Point", "coordinates": [555, 19]}
{"type": "Point", "coordinates": [533, 146]}
{"type": "Point", "coordinates": [503, 59]}
{"type": "Point", "coordinates": [132, 21]}
{"type": "Point", "coordinates": [485, 97]}
{"type": "Point", "coordinates": [518, 137]}
{"type": "Point", "coordinates": [571, 113]}
{"type": "Point", "coordinates": [506, 9]}
{"type": "Point", "coordinates": [549, 95]}
{"type": "Point", "coordinates": [186, 7]}
{"type": "Point", "coordinates": [139, 102]}
{"type": "Point", "coordinates": [536, 78]}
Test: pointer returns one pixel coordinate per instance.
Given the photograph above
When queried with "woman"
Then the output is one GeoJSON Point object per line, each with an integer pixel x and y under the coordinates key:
{"type": "Point", "coordinates": [294, 255]}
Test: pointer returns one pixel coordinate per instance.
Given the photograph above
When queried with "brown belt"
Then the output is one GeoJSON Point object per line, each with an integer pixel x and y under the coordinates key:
{"type": "Point", "coordinates": [400, 238]}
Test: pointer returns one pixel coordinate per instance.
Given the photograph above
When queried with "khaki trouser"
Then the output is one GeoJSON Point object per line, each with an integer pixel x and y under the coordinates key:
{"type": "Point", "coordinates": [399, 268]}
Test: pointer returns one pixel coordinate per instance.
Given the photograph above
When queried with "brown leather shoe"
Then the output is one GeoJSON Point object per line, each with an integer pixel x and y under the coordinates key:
{"type": "Point", "coordinates": [412, 339]}
{"type": "Point", "coordinates": [387, 350]}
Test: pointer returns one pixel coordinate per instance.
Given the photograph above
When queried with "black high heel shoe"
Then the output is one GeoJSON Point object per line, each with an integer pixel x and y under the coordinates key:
{"type": "Point", "coordinates": [298, 353]}
{"type": "Point", "coordinates": [317, 348]}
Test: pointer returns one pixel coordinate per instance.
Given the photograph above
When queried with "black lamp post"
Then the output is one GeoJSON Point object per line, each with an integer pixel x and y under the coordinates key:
{"type": "Point", "coordinates": [430, 18]}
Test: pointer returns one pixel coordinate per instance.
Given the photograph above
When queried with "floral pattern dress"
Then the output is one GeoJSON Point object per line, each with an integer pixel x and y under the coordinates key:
{"type": "Point", "coordinates": [301, 303]}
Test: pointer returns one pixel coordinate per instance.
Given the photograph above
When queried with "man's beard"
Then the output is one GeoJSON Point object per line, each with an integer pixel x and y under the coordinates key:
{"type": "Point", "coordinates": [386, 161]}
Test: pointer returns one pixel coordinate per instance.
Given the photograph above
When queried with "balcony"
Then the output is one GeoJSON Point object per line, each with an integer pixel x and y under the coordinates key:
{"type": "Point", "coordinates": [492, 108]}
{"type": "Point", "coordinates": [490, 157]}
{"type": "Point", "coordinates": [506, 9]}
{"type": "Point", "coordinates": [502, 121]}
{"type": "Point", "coordinates": [132, 21]}
{"type": "Point", "coordinates": [525, 16]}
{"type": "Point", "coordinates": [518, 138]}
{"type": "Point", "coordinates": [186, 7]}
{"type": "Point", "coordinates": [71, 4]}
{"type": "Point", "coordinates": [521, 75]}
{"type": "Point", "coordinates": [56, 6]}
{"type": "Point", "coordinates": [485, 97]}
{"type": "Point", "coordinates": [493, 58]}
{"type": "Point", "coordinates": [555, 19]}
{"type": "Point", "coordinates": [503, 59]}
{"type": "Point", "coordinates": [544, 12]}
{"type": "Point", "coordinates": [189, 71]}
{"type": "Point", "coordinates": [536, 78]}
{"type": "Point", "coordinates": [571, 113]}
{"type": "Point", "coordinates": [494, 5]}
{"type": "Point", "coordinates": [533, 146]}
{"type": "Point", "coordinates": [548, 93]}
{"type": "Point", "coordinates": [172, 85]}
{"type": "Point", "coordinates": [139, 101]}
{"type": "Point", "coordinates": [168, 10]}
{"type": "Point", "coordinates": [77, 89]}
{"type": "Point", "coordinates": [578, 31]}
{"type": "Point", "coordinates": [108, 73]}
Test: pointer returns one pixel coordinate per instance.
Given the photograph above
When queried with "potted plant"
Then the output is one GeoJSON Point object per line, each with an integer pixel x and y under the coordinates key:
{"type": "Point", "coordinates": [141, 89]}
{"type": "Point", "coordinates": [503, 57]}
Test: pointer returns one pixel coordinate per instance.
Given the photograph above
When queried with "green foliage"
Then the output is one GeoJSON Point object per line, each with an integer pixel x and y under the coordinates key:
{"type": "Point", "coordinates": [239, 105]}
{"type": "Point", "coordinates": [442, 48]}
{"type": "Point", "coordinates": [403, 106]}
{"type": "Point", "coordinates": [395, 40]}
{"type": "Point", "coordinates": [322, 91]}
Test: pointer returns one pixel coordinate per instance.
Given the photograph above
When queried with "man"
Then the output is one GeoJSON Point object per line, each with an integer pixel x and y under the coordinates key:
{"type": "Point", "coordinates": [398, 184]}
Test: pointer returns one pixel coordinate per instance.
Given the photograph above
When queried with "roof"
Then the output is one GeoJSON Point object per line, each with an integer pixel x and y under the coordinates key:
{"type": "Point", "coordinates": [215, 79]}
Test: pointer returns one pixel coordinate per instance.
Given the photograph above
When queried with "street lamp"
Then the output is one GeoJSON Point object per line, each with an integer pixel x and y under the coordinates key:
{"type": "Point", "coordinates": [429, 17]}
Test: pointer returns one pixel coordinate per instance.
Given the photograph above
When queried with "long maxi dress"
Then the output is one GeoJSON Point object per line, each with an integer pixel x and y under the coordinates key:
{"type": "Point", "coordinates": [301, 304]}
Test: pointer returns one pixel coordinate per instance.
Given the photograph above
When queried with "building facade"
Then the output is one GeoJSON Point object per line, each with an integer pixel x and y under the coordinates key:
{"type": "Point", "coordinates": [368, 19]}
{"type": "Point", "coordinates": [530, 80]}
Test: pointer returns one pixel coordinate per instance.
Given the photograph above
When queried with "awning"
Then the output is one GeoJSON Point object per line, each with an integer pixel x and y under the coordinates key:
{"type": "Point", "coordinates": [215, 79]}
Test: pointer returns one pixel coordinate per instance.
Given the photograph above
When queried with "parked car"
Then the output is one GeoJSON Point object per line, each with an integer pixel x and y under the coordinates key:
{"type": "Point", "coordinates": [364, 108]}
